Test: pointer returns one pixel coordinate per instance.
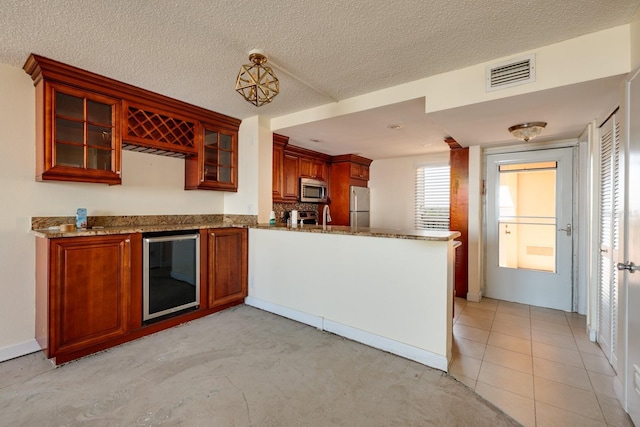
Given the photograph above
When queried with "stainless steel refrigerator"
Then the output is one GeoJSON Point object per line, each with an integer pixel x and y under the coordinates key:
{"type": "Point", "coordinates": [359, 207]}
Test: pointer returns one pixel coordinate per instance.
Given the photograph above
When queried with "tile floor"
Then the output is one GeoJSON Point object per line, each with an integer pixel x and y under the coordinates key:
{"type": "Point", "coordinates": [536, 364]}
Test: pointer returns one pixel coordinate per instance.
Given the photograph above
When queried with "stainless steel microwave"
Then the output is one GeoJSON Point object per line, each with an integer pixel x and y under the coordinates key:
{"type": "Point", "coordinates": [313, 191]}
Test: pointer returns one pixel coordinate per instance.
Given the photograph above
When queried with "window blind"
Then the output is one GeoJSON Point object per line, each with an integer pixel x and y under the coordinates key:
{"type": "Point", "coordinates": [432, 197]}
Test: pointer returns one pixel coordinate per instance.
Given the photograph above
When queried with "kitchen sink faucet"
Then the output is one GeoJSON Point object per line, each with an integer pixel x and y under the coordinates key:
{"type": "Point", "coordinates": [326, 216]}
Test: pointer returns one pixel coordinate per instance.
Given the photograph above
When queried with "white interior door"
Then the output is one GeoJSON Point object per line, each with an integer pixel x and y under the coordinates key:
{"type": "Point", "coordinates": [609, 210]}
{"type": "Point", "coordinates": [632, 365]}
{"type": "Point", "coordinates": [529, 227]}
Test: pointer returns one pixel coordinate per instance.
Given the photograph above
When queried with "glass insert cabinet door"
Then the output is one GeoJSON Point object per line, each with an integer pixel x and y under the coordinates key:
{"type": "Point", "coordinates": [219, 158]}
{"type": "Point", "coordinates": [84, 133]}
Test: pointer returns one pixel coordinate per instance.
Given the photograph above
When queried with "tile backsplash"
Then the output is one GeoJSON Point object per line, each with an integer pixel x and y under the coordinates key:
{"type": "Point", "coordinates": [281, 208]}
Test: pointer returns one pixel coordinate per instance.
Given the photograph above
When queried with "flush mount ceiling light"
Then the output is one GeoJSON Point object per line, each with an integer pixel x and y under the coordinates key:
{"type": "Point", "coordinates": [527, 131]}
{"type": "Point", "coordinates": [256, 82]}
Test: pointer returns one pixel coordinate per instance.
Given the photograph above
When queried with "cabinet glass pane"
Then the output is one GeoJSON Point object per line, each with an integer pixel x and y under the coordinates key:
{"type": "Point", "coordinates": [210, 138]}
{"type": "Point", "coordinates": [210, 173]}
{"type": "Point", "coordinates": [69, 106]}
{"type": "Point", "coordinates": [69, 131]}
{"type": "Point", "coordinates": [211, 156]}
{"type": "Point", "coordinates": [225, 141]}
{"type": "Point", "coordinates": [99, 136]}
{"type": "Point", "coordinates": [225, 158]}
{"type": "Point", "coordinates": [69, 155]}
{"type": "Point", "coordinates": [99, 159]}
{"type": "Point", "coordinates": [99, 113]}
{"type": "Point", "coordinates": [225, 174]}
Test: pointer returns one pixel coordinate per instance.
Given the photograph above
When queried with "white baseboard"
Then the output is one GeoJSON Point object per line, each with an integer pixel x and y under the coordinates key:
{"type": "Point", "coordinates": [17, 350]}
{"type": "Point", "coordinates": [289, 313]}
{"type": "Point", "coordinates": [474, 297]}
{"type": "Point", "coordinates": [619, 390]}
{"type": "Point", "coordinates": [376, 341]}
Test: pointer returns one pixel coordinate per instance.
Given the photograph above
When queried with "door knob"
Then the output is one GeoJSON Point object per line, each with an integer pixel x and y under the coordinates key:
{"type": "Point", "coordinates": [628, 266]}
{"type": "Point", "coordinates": [567, 230]}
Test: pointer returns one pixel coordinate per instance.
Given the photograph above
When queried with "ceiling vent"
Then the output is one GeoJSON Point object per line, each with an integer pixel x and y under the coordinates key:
{"type": "Point", "coordinates": [512, 73]}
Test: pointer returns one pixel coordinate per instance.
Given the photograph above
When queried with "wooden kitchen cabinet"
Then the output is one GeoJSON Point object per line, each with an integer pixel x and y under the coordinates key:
{"type": "Point", "coordinates": [83, 294]}
{"type": "Point", "coordinates": [291, 177]}
{"type": "Point", "coordinates": [89, 290]}
{"type": "Point", "coordinates": [290, 163]}
{"type": "Point", "coordinates": [85, 120]}
{"type": "Point", "coordinates": [313, 168]}
{"type": "Point", "coordinates": [359, 171]}
{"type": "Point", "coordinates": [279, 142]}
{"type": "Point", "coordinates": [227, 265]}
{"type": "Point", "coordinates": [151, 129]}
{"type": "Point", "coordinates": [216, 165]}
{"type": "Point", "coordinates": [77, 135]}
{"type": "Point", "coordinates": [346, 171]}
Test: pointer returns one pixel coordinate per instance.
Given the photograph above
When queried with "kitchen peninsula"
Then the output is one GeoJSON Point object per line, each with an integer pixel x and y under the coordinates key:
{"type": "Point", "coordinates": [389, 289]}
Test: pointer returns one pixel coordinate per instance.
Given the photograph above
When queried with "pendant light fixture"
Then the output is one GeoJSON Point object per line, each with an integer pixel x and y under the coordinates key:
{"type": "Point", "coordinates": [527, 131]}
{"type": "Point", "coordinates": [256, 82]}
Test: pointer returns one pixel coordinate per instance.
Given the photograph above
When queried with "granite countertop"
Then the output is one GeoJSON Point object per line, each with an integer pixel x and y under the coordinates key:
{"type": "Point", "coordinates": [432, 235]}
{"type": "Point", "coordinates": [48, 227]}
{"type": "Point", "coordinates": [105, 231]}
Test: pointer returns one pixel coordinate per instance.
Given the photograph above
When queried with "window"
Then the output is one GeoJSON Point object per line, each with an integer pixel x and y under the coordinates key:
{"type": "Point", "coordinates": [432, 197]}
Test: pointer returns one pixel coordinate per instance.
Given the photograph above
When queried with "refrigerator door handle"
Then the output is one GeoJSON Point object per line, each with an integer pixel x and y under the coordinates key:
{"type": "Point", "coordinates": [355, 200]}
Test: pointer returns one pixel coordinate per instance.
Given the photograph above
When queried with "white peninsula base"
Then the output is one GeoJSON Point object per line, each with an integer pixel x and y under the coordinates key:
{"type": "Point", "coordinates": [392, 293]}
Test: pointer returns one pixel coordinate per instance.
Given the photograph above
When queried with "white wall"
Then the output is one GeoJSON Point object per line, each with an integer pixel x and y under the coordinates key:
{"type": "Point", "coordinates": [474, 240]}
{"type": "Point", "coordinates": [392, 184]}
{"type": "Point", "coordinates": [635, 41]}
{"type": "Point", "coordinates": [245, 201]}
{"type": "Point", "coordinates": [151, 185]}
{"type": "Point", "coordinates": [601, 54]}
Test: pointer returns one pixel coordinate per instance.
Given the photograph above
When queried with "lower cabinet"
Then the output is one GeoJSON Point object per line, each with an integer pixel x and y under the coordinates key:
{"type": "Point", "coordinates": [89, 283]}
{"type": "Point", "coordinates": [227, 265]}
{"type": "Point", "coordinates": [89, 289]}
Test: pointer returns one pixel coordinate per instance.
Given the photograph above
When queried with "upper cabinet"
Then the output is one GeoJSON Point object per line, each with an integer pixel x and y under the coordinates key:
{"type": "Point", "coordinates": [78, 135]}
{"type": "Point", "coordinates": [216, 165]}
{"type": "Point", "coordinates": [279, 142]}
{"type": "Point", "coordinates": [313, 168]}
{"type": "Point", "coordinates": [84, 121]}
{"type": "Point", "coordinates": [291, 177]}
{"type": "Point", "coordinates": [151, 128]}
{"type": "Point", "coordinates": [290, 163]}
{"type": "Point", "coordinates": [359, 171]}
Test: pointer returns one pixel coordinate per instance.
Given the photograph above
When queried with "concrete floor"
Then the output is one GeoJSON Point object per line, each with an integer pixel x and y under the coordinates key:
{"type": "Point", "coordinates": [240, 367]}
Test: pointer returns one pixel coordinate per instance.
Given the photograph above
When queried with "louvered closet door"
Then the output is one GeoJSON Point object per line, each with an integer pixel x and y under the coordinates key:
{"type": "Point", "coordinates": [609, 237]}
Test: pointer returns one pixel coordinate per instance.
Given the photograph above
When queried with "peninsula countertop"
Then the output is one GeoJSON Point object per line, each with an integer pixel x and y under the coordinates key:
{"type": "Point", "coordinates": [432, 235]}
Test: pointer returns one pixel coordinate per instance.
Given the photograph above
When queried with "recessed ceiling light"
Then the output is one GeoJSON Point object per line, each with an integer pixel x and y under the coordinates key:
{"type": "Point", "coordinates": [395, 127]}
{"type": "Point", "coordinates": [426, 145]}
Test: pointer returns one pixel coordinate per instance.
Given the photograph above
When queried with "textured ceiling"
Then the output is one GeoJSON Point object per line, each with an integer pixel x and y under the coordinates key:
{"type": "Point", "coordinates": [192, 49]}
